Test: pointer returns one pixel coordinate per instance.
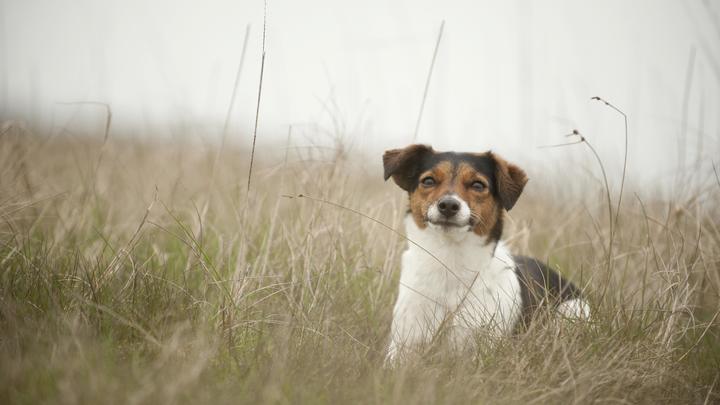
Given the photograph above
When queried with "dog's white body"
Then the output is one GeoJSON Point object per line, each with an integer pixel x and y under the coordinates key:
{"type": "Point", "coordinates": [469, 284]}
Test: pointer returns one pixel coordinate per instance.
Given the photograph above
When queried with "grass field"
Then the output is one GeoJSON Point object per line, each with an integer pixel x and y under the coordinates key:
{"type": "Point", "coordinates": [143, 272]}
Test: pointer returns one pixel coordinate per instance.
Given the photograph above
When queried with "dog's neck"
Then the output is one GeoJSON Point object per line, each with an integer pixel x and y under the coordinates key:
{"type": "Point", "coordinates": [461, 250]}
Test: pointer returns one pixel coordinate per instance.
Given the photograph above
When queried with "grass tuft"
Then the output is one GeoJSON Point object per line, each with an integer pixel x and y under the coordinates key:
{"type": "Point", "coordinates": [132, 280]}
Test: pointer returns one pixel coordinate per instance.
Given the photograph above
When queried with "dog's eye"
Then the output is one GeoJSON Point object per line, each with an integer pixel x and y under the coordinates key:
{"type": "Point", "coordinates": [478, 186]}
{"type": "Point", "coordinates": [428, 181]}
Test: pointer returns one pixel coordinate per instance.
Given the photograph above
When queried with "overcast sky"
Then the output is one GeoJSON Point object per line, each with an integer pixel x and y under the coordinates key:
{"type": "Point", "coordinates": [509, 75]}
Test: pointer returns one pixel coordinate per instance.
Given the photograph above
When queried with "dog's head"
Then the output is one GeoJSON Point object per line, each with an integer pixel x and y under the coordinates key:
{"type": "Point", "coordinates": [456, 191]}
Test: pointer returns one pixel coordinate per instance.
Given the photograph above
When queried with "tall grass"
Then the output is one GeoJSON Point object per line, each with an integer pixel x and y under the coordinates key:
{"type": "Point", "coordinates": [140, 280]}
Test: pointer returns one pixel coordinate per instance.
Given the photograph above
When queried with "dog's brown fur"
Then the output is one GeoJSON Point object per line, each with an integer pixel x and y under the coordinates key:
{"type": "Point", "coordinates": [454, 173]}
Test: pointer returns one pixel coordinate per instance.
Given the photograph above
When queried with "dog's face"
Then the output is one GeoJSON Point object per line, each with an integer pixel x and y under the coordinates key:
{"type": "Point", "coordinates": [456, 191]}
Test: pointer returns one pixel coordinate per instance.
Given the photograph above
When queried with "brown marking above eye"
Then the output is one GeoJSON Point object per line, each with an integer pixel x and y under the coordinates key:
{"type": "Point", "coordinates": [424, 195]}
{"type": "Point", "coordinates": [486, 212]}
{"type": "Point", "coordinates": [439, 173]}
{"type": "Point", "coordinates": [471, 179]}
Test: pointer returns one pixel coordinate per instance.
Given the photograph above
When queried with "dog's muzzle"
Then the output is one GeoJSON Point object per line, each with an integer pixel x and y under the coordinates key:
{"type": "Point", "coordinates": [449, 211]}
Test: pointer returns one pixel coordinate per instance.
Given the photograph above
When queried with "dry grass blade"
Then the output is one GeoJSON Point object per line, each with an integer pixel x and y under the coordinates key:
{"type": "Point", "coordinates": [702, 335]}
{"type": "Point", "coordinates": [146, 334]}
{"type": "Point", "coordinates": [127, 249]}
{"type": "Point", "coordinates": [231, 104]}
{"type": "Point", "coordinates": [710, 390]}
{"type": "Point", "coordinates": [611, 222]}
{"type": "Point", "coordinates": [625, 155]}
{"type": "Point", "coordinates": [682, 138]}
{"type": "Point", "coordinates": [108, 113]}
{"type": "Point", "coordinates": [259, 96]}
{"type": "Point", "coordinates": [427, 80]}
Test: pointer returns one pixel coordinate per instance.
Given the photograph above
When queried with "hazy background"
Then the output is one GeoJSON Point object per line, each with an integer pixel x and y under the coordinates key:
{"type": "Point", "coordinates": [510, 75]}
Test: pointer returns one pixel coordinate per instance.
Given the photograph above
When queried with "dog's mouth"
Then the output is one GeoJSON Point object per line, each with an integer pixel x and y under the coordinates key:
{"type": "Point", "coordinates": [450, 224]}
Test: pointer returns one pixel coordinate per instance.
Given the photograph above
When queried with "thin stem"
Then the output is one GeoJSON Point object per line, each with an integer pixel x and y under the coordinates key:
{"type": "Point", "coordinates": [427, 80]}
{"type": "Point", "coordinates": [622, 181]}
{"type": "Point", "coordinates": [257, 109]}
{"type": "Point", "coordinates": [231, 105]}
{"type": "Point", "coordinates": [584, 140]}
{"type": "Point", "coordinates": [607, 193]}
{"type": "Point", "coordinates": [108, 113]}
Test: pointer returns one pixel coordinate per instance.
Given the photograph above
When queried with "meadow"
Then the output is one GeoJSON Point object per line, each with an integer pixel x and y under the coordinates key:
{"type": "Point", "coordinates": [136, 271]}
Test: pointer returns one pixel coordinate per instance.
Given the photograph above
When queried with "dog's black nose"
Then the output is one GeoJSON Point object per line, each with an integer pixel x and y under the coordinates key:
{"type": "Point", "coordinates": [448, 206]}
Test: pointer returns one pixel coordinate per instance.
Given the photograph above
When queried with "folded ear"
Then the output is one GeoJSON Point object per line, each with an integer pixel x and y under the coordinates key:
{"type": "Point", "coordinates": [510, 181]}
{"type": "Point", "coordinates": [404, 165]}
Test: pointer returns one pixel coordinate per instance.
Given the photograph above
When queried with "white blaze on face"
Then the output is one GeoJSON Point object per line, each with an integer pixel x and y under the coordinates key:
{"type": "Point", "coordinates": [462, 218]}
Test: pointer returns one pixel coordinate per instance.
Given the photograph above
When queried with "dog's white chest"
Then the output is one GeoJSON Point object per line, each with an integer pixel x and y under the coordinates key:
{"type": "Point", "coordinates": [454, 280]}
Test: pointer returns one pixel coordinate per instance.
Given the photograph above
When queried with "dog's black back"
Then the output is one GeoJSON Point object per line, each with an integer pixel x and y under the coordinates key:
{"type": "Point", "coordinates": [541, 286]}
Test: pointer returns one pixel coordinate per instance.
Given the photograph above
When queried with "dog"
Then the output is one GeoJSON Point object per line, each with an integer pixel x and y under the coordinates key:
{"type": "Point", "coordinates": [457, 277]}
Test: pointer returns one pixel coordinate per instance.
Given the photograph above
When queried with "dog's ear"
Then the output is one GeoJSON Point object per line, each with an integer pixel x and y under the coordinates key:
{"type": "Point", "coordinates": [403, 165]}
{"type": "Point", "coordinates": [510, 181]}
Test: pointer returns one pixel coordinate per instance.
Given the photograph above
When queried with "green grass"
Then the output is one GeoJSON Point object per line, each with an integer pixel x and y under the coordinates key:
{"type": "Point", "coordinates": [129, 275]}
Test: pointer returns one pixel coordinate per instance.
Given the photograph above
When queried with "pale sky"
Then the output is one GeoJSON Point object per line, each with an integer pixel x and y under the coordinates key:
{"type": "Point", "coordinates": [510, 75]}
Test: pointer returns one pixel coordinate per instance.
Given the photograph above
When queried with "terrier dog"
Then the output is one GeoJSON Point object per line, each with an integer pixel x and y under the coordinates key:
{"type": "Point", "coordinates": [457, 276]}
